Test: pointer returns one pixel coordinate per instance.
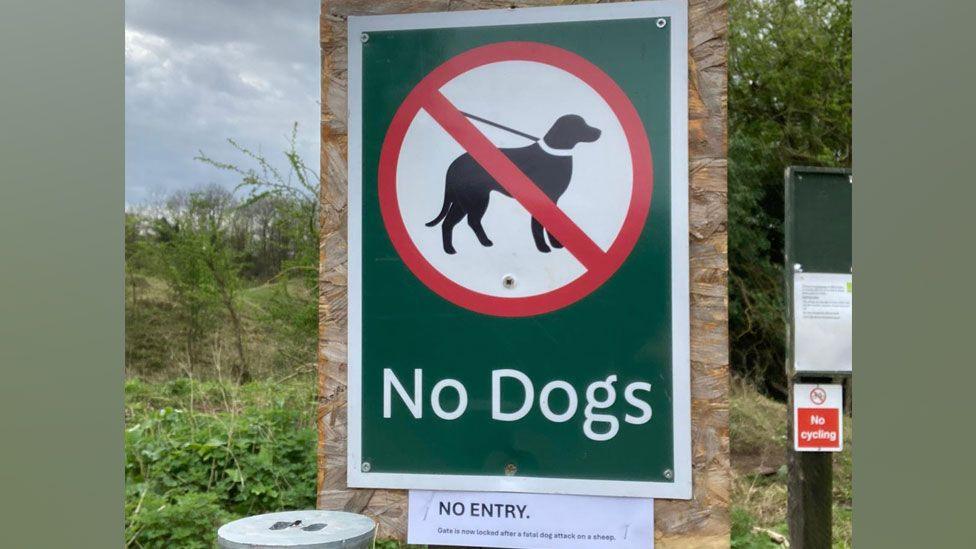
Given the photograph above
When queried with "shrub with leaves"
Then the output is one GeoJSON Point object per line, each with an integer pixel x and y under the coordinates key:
{"type": "Point", "coordinates": [293, 196]}
{"type": "Point", "coordinates": [789, 104]}
{"type": "Point", "coordinates": [188, 521]}
{"type": "Point", "coordinates": [188, 471]}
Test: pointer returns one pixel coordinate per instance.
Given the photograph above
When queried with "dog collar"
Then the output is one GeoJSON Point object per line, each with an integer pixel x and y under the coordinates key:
{"type": "Point", "coordinates": [555, 152]}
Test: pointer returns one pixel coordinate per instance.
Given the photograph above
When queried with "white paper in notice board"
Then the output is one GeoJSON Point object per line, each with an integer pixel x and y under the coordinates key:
{"type": "Point", "coordinates": [823, 305]}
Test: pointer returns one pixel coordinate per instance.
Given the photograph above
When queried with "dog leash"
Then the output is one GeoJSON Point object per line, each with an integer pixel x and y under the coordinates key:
{"type": "Point", "coordinates": [499, 126]}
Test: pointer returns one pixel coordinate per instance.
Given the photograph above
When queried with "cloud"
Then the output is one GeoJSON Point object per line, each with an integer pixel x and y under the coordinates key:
{"type": "Point", "coordinates": [199, 72]}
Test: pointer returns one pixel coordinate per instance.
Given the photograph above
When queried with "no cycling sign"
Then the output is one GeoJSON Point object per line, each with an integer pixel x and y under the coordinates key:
{"type": "Point", "coordinates": [518, 252]}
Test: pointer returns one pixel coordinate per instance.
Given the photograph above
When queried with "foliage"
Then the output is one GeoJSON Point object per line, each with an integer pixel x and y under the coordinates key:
{"type": "Point", "coordinates": [759, 494]}
{"type": "Point", "coordinates": [213, 277]}
{"type": "Point", "coordinates": [757, 425]}
{"type": "Point", "coordinates": [188, 247]}
{"type": "Point", "coordinates": [189, 470]}
{"type": "Point", "coordinates": [743, 536]}
{"type": "Point", "coordinates": [789, 104]}
{"type": "Point", "coordinates": [294, 197]}
{"type": "Point", "coordinates": [138, 257]}
{"type": "Point", "coordinates": [179, 262]}
{"type": "Point", "coordinates": [186, 520]}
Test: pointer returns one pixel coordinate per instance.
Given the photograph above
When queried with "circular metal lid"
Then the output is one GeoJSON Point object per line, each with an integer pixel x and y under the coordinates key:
{"type": "Point", "coordinates": [305, 529]}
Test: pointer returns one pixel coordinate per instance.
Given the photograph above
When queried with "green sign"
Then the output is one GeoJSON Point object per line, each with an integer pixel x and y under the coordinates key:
{"type": "Point", "coordinates": [818, 219]}
{"type": "Point", "coordinates": [518, 251]}
{"type": "Point", "coordinates": [819, 274]}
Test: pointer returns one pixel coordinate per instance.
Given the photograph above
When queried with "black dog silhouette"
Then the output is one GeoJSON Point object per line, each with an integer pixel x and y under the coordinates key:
{"type": "Point", "coordinates": [468, 186]}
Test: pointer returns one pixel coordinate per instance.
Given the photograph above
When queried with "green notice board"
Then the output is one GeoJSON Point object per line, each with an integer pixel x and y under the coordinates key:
{"type": "Point", "coordinates": [518, 261]}
{"type": "Point", "coordinates": [818, 219]}
{"type": "Point", "coordinates": [819, 273]}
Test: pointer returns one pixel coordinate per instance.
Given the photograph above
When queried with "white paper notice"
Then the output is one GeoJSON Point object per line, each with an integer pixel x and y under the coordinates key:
{"type": "Point", "coordinates": [529, 521]}
{"type": "Point", "coordinates": [822, 320]}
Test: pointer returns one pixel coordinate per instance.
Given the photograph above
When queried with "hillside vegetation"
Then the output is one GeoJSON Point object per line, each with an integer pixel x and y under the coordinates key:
{"type": "Point", "coordinates": [221, 320]}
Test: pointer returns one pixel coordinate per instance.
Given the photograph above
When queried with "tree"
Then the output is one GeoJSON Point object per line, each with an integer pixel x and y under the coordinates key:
{"type": "Point", "coordinates": [200, 267]}
{"type": "Point", "coordinates": [187, 279]}
{"type": "Point", "coordinates": [289, 238]}
{"type": "Point", "coordinates": [138, 254]}
{"type": "Point", "coordinates": [209, 213]}
{"type": "Point", "coordinates": [789, 104]}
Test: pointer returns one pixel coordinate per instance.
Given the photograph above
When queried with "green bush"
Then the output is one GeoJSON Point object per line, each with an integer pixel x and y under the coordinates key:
{"type": "Point", "coordinates": [186, 472]}
{"type": "Point", "coordinates": [742, 535]}
{"type": "Point", "coordinates": [789, 98]}
{"type": "Point", "coordinates": [187, 521]}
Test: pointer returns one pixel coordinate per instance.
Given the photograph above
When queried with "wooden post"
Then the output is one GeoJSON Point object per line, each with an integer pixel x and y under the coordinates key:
{"type": "Point", "coordinates": [810, 488]}
{"type": "Point", "coordinates": [817, 240]}
{"type": "Point", "coordinates": [702, 522]}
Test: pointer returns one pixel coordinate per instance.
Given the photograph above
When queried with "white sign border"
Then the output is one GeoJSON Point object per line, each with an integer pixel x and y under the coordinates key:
{"type": "Point", "coordinates": [835, 396]}
{"type": "Point", "coordinates": [681, 486]}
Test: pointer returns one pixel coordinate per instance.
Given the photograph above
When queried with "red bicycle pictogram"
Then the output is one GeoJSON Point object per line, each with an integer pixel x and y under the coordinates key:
{"type": "Point", "coordinates": [818, 396]}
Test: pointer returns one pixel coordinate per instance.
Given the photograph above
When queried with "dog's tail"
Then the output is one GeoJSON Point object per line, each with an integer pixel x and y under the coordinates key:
{"type": "Point", "coordinates": [440, 216]}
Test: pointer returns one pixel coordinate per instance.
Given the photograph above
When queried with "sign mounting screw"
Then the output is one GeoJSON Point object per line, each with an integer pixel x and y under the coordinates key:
{"type": "Point", "coordinates": [797, 268]}
{"type": "Point", "coordinates": [510, 469]}
{"type": "Point", "coordinates": [668, 474]}
{"type": "Point", "coordinates": [364, 38]}
{"type": "Point", "coordinates": [508, 282]}
{"type": "Point", "coordinates": [366, 466]}
{"type": "Point", "coordinates": [661, 23]}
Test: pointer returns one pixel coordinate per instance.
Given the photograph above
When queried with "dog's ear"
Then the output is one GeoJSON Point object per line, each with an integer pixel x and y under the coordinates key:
{"type": "Point", "coordinates": [569, 130]}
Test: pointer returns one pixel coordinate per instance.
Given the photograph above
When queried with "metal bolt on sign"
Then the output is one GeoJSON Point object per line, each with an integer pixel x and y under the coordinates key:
{"type": "Point", "coordinates": [508, 282]}
{"type": "Point", "coordinates": [364, 38]}
{"type": "Point", "coordinates": [366, 466]}
{"type": "Point", "coordinates": [511, 469]}
{"type": "Point", "coordinates": [668, 474]}
{"type": "Point", "coordinates": [661, 23]}
{"type": "Point", "coordinates": [299, 529]}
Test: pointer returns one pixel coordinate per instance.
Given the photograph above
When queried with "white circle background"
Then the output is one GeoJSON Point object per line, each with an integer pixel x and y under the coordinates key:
{"type": "Point", "coordinates": [529, 97]}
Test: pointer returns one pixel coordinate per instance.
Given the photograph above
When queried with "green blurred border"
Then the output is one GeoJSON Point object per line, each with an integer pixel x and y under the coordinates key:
{"type": "Point", "coordinates": [914, 257]}
{"type": "Point", "coordinates": [61, 268]}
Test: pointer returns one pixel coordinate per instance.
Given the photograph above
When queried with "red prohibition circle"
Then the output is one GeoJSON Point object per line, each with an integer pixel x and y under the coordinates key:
{"type": "Point", "coordinates": [623, 244]}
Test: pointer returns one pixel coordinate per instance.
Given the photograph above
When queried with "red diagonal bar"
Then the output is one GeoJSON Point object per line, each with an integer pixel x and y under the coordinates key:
{"type": "Point", "coordinates": [513, 180]}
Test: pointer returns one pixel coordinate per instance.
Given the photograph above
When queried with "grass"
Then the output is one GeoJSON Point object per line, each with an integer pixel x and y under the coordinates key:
{"type": "Point", "coordinates": [758, 439]}
{"type": "Point", "coordinates": [202, 453]}
{"type": "Point", "coordinates": [759, 477]}
{"type": "Point", "coordinates": [200, 399]}
{"type": "Point", "coordinates": [156, 342]}
{"type": "Point", "coordinates": [214, 397]}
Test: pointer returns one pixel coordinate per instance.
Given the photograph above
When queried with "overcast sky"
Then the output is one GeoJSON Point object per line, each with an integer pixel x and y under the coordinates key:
{"type": "Point", "coordinates": [200, 71]}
